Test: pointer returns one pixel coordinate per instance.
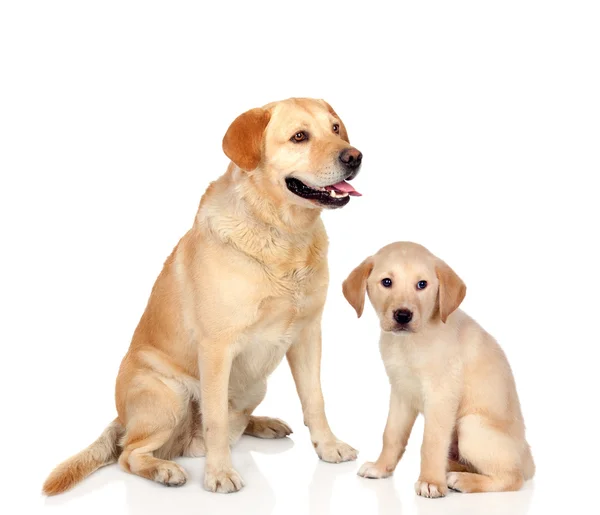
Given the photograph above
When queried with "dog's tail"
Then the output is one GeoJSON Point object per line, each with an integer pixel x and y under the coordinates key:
{"type": "Point", "coordinates": [528, 464]}
{"type": "Point", "coordinates": [104, 451]}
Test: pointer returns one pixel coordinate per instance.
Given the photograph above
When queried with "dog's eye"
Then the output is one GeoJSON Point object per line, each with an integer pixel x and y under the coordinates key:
{"type": "Point", "coordinates": [299, 136]}
{"type": "Point", "coordinates": [336, 128]}
{"type": "Point", "coordinates": [421, 285]}
{"type": "Point", "coordinates": [386, 283]}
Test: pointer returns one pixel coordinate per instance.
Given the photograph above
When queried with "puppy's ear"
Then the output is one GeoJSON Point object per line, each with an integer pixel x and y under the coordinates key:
{"type": "Point", "coordinates": [343, 131]}
{"type": "Point", "coordinates": [355, 286]}
{"type": "Point", "coordinates": [451, 292]}
{"type": "Point", "coordinates": [242, 142]}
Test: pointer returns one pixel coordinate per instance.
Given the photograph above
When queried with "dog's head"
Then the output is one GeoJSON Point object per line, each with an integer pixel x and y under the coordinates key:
{"type": "Point", "coordinates": [296, 150]}
{"type": "Point", "coordinates": [407, 286]}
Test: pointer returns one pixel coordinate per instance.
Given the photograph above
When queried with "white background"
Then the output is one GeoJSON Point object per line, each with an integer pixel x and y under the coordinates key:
{"type": "Point", "coordinates": [479, 124]}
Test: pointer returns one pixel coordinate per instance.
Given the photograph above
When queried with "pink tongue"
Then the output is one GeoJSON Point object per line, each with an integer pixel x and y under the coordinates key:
{"type": "Point", "coordinates": [344, 187]}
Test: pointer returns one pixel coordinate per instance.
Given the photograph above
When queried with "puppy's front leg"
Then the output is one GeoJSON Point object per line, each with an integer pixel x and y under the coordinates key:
{"type": "Point", "coordinates": [304, 357]}
{"type": "Point", "coordinates": [215, 368]}
{"type": "Point", "coordinates": [401, 419]}
{"type": "Point", "coordinates": [440, 417]}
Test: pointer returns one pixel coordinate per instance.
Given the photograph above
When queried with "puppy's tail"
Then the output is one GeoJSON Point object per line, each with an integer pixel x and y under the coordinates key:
{"type": "Point", "coordinates": [528, 464]}
{"type": "Point", "coordinates": [104, 451]}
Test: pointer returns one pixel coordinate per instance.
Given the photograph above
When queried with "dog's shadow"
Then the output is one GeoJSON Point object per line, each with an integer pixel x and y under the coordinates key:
{"type": "Point", "coordinates": [323, 484]}
{"type": "Point", "coordinates": [387, 497]}
{"type": "Point", "coordinates": [111, 485]}
{"type": "Point", "coordinates": [144, 497]}
{"type": "Point", "coordinates": [515, 503]}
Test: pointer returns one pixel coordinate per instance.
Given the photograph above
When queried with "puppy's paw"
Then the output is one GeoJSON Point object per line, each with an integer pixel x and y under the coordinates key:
{"type": "Point", "coordinates": [222, 480]}
{"type": "Point", "coordinates": [431, 489]}
{"type": "Point", "coordinates": [170, 474]}
{"type": "Point", "coordinates": [335, 451]}
{"type": "Point", "coordinates": [266, 427]}
{"type": "Point", "coordinates": [372, 470]}
{"type": "Point", "coordinates": [453, 481]}
{"type": "Point", "coordinates": [462, 482]}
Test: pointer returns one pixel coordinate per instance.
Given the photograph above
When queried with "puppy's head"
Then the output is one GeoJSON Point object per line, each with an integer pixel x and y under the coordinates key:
{"type": "Point", "coordinates": [407, 286]}
{"type": "Point", "coordinates": [297, 151]}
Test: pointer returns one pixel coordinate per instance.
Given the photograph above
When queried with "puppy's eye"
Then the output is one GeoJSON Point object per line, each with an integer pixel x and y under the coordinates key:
{"type": "Point", "coordinates": [336, 128]}
{"type": "Point", "coordinates": [299, 136]}
{"type": "Point", "coordinates": [386, 283]}
{"type": "Point", "coordinates": [421, 285]}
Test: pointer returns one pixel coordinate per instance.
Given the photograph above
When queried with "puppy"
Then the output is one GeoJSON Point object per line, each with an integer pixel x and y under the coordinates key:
{"type": "Point", "coordinates": [442, 364]}
{"type": "Point", "coordinates": [242, 289]}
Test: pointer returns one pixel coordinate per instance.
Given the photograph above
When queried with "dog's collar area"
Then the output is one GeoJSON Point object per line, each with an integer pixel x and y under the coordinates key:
{"type": "Point", "coordinates": [327, 197]}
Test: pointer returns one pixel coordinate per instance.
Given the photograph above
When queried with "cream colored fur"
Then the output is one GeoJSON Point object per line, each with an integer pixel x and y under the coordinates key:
{"type": "Point", "coordinates": [244, 288]}
{"type": "Point", "coordinates": [444, 365]}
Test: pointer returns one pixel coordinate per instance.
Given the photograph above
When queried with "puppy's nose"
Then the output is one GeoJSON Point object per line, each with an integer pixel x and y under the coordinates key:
{"type": "Point", "coordinates": [403, 316]}
{"type": "Point", "coordinates": [350, 158]}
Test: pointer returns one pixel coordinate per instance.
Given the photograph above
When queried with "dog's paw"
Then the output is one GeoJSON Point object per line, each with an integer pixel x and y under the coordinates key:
{"type": "Point", "coordinates": [335, 451]}
{"type": "Point", "coordinates": [170, 474]}
{"type": "Point", "coordinates": [266, 427]}
{"type": "Point", "coordinates": [459, 481]}
{"type": "Point", "coordinates": [372, 470]}
{"type": "Point", "coordinates": [431, 489]}
{"type": "Point", "coordinates": [222, 480]}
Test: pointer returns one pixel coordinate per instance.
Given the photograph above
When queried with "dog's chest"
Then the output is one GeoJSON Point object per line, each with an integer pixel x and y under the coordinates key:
{"type": "Point", "coordinates": [403, 371]}
{"type": "Point", "coordinates": [420, 367]}
{"type": "Point", "coordinates": [277, 323]}
{"type": "Point", "coordinates": [280, 319]}
{"type": "Point", "coordinates": [294, 294]}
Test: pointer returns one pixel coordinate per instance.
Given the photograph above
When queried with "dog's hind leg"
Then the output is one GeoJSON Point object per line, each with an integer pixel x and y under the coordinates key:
{"type": "Point", "coordinates": [153, 418]}
{"type": "Point", "coordinates": [492, 452]}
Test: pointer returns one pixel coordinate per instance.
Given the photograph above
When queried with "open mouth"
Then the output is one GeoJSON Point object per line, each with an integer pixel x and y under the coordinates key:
{"type": "Point", "coordinates": [335, 195]}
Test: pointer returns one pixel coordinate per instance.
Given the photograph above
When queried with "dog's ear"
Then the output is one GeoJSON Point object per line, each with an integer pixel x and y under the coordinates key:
{"type": "Point", "coordinates": [243, 140]}
{"type": "Point", "coordinates": [343, 131]}
{"type": "Point", "coordinates": [355, 285]}
{"type": "Point", "coordinates": [452, 290]}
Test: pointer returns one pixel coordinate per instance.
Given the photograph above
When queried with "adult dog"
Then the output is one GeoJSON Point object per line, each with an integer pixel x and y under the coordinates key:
{"type": "Point", "coordinates": [242, 289]}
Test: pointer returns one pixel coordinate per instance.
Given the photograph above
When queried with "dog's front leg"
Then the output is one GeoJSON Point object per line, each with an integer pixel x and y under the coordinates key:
{"type": "Point", "coordinates": [304, 357]}
{"type": "Point", "coordinates": [440, 416]}
{"type": "Point", "coordinates": [401, 419]}
{"type": "Point", "coordinates": [215, 368]}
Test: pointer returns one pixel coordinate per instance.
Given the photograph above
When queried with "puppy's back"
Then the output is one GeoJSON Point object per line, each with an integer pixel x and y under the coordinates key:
{"type": "Point", "coordinates": [489, 384]}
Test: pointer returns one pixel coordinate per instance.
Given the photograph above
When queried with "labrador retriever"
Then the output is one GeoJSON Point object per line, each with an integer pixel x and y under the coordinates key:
{"type": "Point", "coordinates": [442, 364]}
{"type": "Point", "coordinates": [244, 287]}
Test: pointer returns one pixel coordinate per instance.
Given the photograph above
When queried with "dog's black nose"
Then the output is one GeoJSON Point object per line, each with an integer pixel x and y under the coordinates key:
{"type": "Point", "coordinates": [403, 316]}
{"type": "Point", "coordinates": [350, 158]}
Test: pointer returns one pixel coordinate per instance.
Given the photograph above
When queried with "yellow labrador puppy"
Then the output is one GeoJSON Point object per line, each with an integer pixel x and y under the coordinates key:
{"type": "Point", "coordinates": [243, 288]}
{"type": "Point", "coordinates": [442, 364]}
